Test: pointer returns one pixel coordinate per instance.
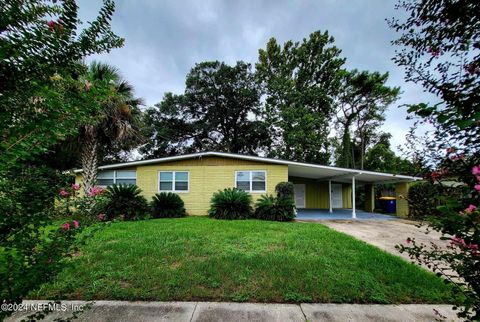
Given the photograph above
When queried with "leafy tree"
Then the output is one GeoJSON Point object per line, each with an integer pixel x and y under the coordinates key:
{"type": "Point", "coordinates": [440, 49]}
{"type": "Point", "coordinates": [362, 101]}
{"type": "Point", "coordinates": [300, 80]}
{"type": "Point", "coordinates": [220, 110]}
{"type": "Point", "coordinates": [117, 121]}
{"type": "Point", "coordinates": [381, 158]}
{"type": "Point", "coordinates": [42, 101]}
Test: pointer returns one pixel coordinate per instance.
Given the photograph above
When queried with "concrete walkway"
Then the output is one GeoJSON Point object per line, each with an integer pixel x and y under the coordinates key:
{"type": "Point", "coordinates": [119, 311]}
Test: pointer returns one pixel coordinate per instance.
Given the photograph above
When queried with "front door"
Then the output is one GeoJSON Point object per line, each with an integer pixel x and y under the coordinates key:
{"type": "Point", "coordinates": [299, 191]}
{"type": "Point", "coordinates": [337, 199]}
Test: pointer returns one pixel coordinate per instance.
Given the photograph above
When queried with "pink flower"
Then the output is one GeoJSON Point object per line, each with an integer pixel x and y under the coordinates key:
{"type": "Point", "coordinates": [64, 193]}
{"type": "Point", "coordinates": [460, 156]}
{"type": "Point", "coordinates": [477, 187]}
{"type": "Point", "coordinates": [95, 191]}
{"type": "Point", "coordinates": [457, 241]}
{"type": "Point", "coordinates": [476, 170]}
{"type": "Point", "coordinates": [75, 186]}
{"type": "Point", "coordinates": [433, 52]}
{"type": "Point", "coordinates": [51, 24]}
{"type": "Point", "coordinates": [470, 209]}
{"type": "Point", "coordinates": [408, 241]}
{"type": "Point", "coordinates": [66, 226]}
{"type": "Point", "coordinates": [473, 247]}
{"type": "Point", "coordinates": [101, 216]}
{"type": "Point", "coordinates": [75, 224]}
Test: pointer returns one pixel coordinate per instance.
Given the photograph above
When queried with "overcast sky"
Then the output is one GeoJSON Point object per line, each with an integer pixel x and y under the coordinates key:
{"type": "Point", "coordinates": [164, 40]}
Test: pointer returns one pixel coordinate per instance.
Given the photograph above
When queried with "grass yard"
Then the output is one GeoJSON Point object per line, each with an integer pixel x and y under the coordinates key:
{"type": "Point", "coordinates": [198, 258]}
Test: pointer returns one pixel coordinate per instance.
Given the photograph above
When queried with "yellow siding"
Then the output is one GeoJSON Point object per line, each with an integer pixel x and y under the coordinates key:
{"type": "Point", "coordinates": [316, 192]}
{"type": "Point", "coordinates": [347, 195]}
{"type": "Point", "coordinates": [206, 176]}
{"type": "Point", "coordinates": [369, 198]}
{"type": "Point", "coordinates": [401, 192]}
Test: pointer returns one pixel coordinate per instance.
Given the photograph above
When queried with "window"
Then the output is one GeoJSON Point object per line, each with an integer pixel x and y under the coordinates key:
{"type": "Point", "coordinates": [107, 178]}
{"type": "Point", "coordinates": [176, 181]}
{"type": "Point", "coordinates": [251, 181]}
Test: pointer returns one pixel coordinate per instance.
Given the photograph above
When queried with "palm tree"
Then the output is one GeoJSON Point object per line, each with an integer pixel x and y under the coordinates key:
{"type": "Point", "coordinates": [116, 124]}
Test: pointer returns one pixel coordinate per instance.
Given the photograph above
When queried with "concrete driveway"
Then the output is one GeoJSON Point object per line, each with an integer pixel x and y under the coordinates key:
{"type": "Point", "coordinates": [385, 234]}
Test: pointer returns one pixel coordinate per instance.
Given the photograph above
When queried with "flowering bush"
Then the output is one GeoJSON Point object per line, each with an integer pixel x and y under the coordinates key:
{"type": "Point", "coordinates": [83, 208]}
{"type": "Point", "coordinates": [459, 222]}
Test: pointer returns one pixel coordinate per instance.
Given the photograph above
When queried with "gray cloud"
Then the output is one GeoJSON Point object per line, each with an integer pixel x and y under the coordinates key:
{"type": "Point", "coordinates": [164, 39]}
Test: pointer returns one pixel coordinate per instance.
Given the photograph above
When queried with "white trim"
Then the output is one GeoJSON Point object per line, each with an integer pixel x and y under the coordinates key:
{"type": "Point", "coordinates": [252, 158]}
{"type": "Point", "coordinates": [173, 181]}
{"type": "Point", "coordinates": [354, 214]}
{"type": "Point", "coordinates": [330, 196]}
{"type": "Point", "coordinates": [251, 181]}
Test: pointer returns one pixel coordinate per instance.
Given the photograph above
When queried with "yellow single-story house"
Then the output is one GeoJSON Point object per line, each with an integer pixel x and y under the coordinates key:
{"type": "Point", "coordinates": [195, 177]}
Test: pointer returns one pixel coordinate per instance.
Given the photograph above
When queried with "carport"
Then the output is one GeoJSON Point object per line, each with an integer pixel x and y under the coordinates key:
{"type": "Point", "coordinates": [324, 191]}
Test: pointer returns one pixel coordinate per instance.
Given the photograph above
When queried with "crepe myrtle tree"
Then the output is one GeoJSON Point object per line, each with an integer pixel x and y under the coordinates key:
{"type": "Point", "coordinates": [439, 48]}
{"type": "Point", "coordinates": [458, 220]}
{"type": "Point", "coordinates": [43, 100]}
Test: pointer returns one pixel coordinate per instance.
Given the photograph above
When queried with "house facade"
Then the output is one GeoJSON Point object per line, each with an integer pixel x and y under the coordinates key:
{"type": "Point", "coordinates": [195, 177]}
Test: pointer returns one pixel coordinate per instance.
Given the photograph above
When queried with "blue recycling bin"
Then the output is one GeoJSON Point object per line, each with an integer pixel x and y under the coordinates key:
{"type": "Point", "coordinates": [389, 204]}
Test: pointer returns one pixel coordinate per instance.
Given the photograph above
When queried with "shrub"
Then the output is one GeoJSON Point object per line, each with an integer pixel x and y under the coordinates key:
{"type": "Point", "coordinates": [278, 209]}
{"type": "Point", "coordinates": [167, 205]}
{"type": "Point", "coordinates": [284, 190]}
{"type": "Point", "coordinates": [423, 200]}
{"type": "Point", "coordinates": [231, 203]}
{"type": "Point", "coordinates": [124, 202]}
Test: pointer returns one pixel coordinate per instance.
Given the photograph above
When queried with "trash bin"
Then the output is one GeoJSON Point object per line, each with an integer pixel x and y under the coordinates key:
{"type": "Point", "coordinates": [388, 204]}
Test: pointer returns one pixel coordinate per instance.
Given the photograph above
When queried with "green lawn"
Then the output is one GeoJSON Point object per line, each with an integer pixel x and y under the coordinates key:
{"type": "Point", "coordinates": [198, 258]}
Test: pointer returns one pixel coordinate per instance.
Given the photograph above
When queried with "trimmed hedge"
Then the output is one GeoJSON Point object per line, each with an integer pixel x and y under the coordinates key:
{"type": "Point", "coordinates": [167, 205]}
{"type": "Point", "coordinates": [231, 203]}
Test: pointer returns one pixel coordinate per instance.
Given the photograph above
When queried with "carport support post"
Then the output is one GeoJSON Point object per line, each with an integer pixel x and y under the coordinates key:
{"type": "Point", "coordinates": [330, 195]}
{"type": "Point", "coordinates": [354, 215]}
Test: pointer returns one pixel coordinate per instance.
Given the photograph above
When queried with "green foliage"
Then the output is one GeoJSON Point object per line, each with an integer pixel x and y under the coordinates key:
{"type": "Point", "coordinates": [42, 98]}
{"type": "Point", "coordinates": [381, 158]}
{"type": "Point", "coordinates": [220, 111]}
{"type": "Point", "coordinates": [423, 200]}
{"type": "Point", "coordinates": [124, 202]}
{"type": "Point", "coordinates": [231, 203]}
{"type": "Point", "coordinates": [284, 190]}
{"type": "Point", "coordinates": [301, 80]}
{"type": "Point", "coordinates": [440, 49]}
{"type": "Point", "coordinates": [167, 205]}
{"type": "Point", "coordinates": [279, 208]}
{"type": "Point", "coordinates": [273, 208]}
{"type": "Point", "coordinates": [362, 102]}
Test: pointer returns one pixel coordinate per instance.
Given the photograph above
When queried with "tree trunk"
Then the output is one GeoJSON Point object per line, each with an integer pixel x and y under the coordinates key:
{"type": "Point", "coordinates": [89, 162]}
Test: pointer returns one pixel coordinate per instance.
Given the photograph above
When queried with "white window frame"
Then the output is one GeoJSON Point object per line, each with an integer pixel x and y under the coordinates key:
{"type": "Point", "coordinates": [115, 177]}
{"type": "Point", "coordinates": [173, 181]}
{"type": "Point", "coordinates": [251, 181]}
